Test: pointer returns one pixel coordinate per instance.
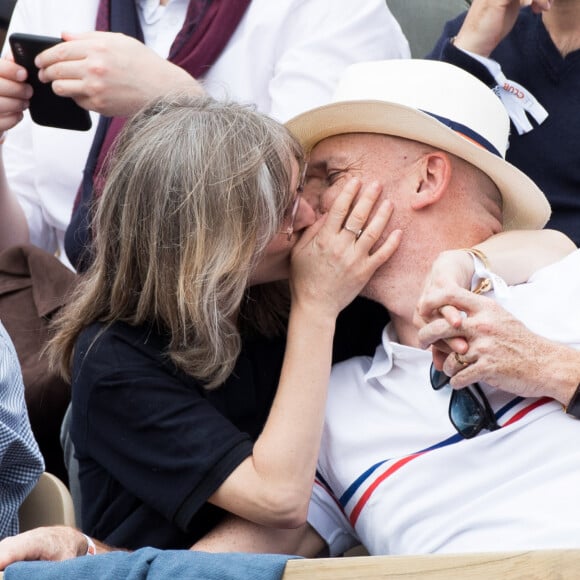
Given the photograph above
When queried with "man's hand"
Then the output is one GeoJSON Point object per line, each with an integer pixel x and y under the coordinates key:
{"type": "Point", "coordinates": [15, 93]}
{"type": "Point", "coordinates": [489, 21]}
{"type": "Point", "coordinates": [501, 351]}
{"type": "Point", "coordinates": [53, 543]}
{"type": "Point", "coordinates": [111, 73]}
{"type": "Point", "coordinates": [451, 271]}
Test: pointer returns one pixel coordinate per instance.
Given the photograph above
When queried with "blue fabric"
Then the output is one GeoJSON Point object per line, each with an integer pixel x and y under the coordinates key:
{"type": "Point", "coordinates": [550, 154]}
{"type": "Point", "coordinates": [20, 459]}
{"type": "Point", "coordinates": [153, 564]}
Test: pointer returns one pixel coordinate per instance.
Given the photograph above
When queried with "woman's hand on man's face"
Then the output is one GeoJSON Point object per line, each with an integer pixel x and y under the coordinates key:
{"type": "Point", "coordinates": [336, 257]}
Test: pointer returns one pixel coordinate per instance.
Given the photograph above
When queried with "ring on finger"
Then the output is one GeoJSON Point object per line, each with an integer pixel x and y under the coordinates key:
{"type": "Point", "coordinates": [357, 233]}
{"type": "Point", "coordinates": [461, 360]}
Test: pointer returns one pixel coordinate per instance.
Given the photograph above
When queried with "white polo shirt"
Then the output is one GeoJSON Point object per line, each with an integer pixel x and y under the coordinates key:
{"type": "Point", "coordinates": [285, 57]}
{"type": "Point", "coordinates": [396, 476]}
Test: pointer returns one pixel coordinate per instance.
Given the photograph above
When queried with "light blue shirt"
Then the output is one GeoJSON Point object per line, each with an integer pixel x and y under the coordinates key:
{"type": "Point", "coordinates": [21, 462]}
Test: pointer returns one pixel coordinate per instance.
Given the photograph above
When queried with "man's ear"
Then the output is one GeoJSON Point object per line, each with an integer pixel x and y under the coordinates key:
{"type": "Point", "coordinates": [433, 176]}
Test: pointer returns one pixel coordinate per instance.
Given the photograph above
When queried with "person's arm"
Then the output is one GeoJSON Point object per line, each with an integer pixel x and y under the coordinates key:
{"type": "Point", "coordinates": [513, 255]}
{"type": "Point", "coordinates": [516, 255]}
{"type": "Point", "coordinates": [328, 532]}
{"type": "Point", "coordinates": [498, 347]}
{"type": "Point", "coordinates": [57, 543]}
{"type": "Point", "coordinates": [469, 42]}
{"type": "Point", "coordinates": [25, 215]}
{"type": "Point", "coordinates": [314, 45]}
{"type": "Point", "coordinates": [238, 535]}
{"type": "Point", "coordinates": [14, 95]}
{"type": "Point", "coordinates": [489, 21]}
{"type": "Point", "coordinates": [13, 224]}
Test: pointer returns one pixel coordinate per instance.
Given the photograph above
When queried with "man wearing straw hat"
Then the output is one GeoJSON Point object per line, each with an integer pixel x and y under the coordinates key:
{"type": "Point", "coordinates": [407, 465]}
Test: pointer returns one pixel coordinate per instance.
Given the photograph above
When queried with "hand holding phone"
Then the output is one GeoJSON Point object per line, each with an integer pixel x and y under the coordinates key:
{"type": "Point", "coordinates": [46, 107]}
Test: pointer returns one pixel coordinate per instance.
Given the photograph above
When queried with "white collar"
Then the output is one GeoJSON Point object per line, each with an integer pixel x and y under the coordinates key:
{"type": "Point", "coordinates": [390, 351]}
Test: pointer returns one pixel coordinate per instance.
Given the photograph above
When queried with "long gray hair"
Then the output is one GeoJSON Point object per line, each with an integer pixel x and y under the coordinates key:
{"type": "Point", "coordinates": [194, 191]}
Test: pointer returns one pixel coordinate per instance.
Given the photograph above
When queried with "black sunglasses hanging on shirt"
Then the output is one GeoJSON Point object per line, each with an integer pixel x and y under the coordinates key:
{"type": "Point", "coordinates": [469, 409]}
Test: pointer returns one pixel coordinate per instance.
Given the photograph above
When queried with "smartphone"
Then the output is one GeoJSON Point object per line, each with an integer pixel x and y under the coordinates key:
{"type": "Point", "coordinates": [46, 107]}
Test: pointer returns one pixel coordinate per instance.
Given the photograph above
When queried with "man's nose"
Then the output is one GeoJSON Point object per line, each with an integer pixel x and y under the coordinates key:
{"type": "Point", "coordinates": [320, 199]}
{"type": "Point", "coordinates": [325, 201]}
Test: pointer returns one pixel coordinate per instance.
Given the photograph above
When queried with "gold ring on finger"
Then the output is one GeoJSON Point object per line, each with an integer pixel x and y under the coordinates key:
{"type": "Point", "coordinates": [461, 360]}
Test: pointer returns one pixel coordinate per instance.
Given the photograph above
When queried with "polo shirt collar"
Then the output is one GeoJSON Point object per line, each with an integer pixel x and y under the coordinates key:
{"type": "Point", "coordinates": [389, 352]}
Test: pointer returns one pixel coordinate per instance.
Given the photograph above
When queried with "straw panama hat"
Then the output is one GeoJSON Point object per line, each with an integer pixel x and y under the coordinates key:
{"type": "Point", "coordinates": [434, 103]}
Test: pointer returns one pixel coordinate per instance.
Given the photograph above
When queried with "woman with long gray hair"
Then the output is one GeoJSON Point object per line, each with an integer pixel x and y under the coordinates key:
{"type": "Point", "coordinates": [188, 398]}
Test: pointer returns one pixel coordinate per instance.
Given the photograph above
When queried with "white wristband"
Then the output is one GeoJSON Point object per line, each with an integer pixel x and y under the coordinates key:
{"type": "Point", "coordinates": [91, 548]}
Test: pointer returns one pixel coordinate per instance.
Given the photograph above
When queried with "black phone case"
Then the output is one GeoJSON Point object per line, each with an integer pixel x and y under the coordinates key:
{"type": "Point", "coordinates": [46, 107]}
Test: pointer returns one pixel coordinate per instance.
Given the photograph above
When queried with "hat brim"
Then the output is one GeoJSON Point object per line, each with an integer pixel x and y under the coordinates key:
{"type": "Point", "coordinates": [524, 204]}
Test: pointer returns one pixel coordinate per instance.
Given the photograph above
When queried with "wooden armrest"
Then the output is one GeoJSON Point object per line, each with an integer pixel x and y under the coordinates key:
{"type": "Point", "coordinates": [532, 565]}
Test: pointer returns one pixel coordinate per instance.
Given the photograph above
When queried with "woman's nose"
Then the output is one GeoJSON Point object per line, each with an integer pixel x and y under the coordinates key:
{"type": "Point", "coordinates": [305, 216]}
